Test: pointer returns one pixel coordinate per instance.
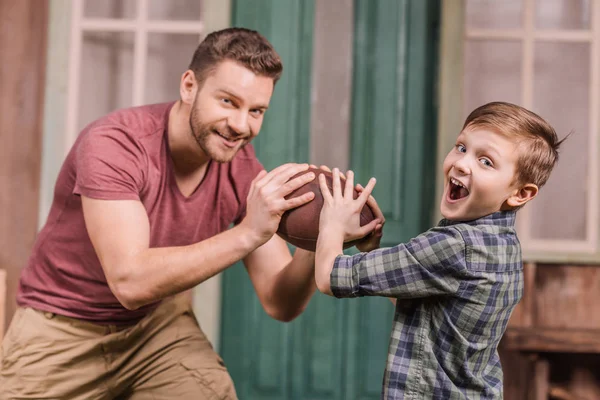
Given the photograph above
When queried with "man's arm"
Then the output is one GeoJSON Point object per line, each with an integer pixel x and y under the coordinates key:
{"type": "Point", "coordinates": [284, 284]}
{"type": "Point", "coordinates": [139, 275]}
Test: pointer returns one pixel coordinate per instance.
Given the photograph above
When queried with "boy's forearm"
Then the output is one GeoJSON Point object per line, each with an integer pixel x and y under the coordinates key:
{"type": "Point", "coordinates": [329, 246]}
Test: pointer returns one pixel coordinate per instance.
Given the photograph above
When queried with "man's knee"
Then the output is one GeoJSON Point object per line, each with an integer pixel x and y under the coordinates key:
{"type": "Point", "coordinates": [212, 383]}
{"type": "Point", "coordinates": [190, 379]}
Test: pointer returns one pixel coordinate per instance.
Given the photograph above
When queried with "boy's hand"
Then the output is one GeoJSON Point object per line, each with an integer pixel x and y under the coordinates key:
{"type": "Point", "coordinates": [373, 239]}
{"type": "Point", "coordinates": [340, 215]}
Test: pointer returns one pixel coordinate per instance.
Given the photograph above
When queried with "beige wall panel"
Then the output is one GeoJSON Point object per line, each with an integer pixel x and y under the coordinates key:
{"type": "Point", "coordinates": [22, 51]}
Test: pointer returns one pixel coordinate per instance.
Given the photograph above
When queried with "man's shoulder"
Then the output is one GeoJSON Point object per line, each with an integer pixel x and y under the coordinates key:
{"type": "Point", "coordinates": [138, 122]}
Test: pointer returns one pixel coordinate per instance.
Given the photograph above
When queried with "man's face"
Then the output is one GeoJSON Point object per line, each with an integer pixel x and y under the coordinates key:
{"type": "Point", "coordinates": [228, 110]}
{"type": "Point", "coordinates": [479, 175]}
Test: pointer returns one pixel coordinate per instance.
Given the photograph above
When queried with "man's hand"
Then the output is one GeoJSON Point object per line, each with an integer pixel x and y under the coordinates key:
{"type": "Point", "coordinates": [373, 239]}
{"type": "Point", "coordinates": [266, 201]}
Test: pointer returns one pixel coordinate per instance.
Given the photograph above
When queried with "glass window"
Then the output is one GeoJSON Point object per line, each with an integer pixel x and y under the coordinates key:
{"type": "Point", "coordinates": [168, 58]}
{"type": "Point", "coordinates": [494, 14]}
{"type": "Point", "coordinates": [113, 9]}
{"type": "Point", "coordinates": [562, 14]}
{"type": "Point", "coordinates": [561, 96]}
{"type": "Point", "coordinates": [175, 10]}
{"type": "Point", "coordinates": [492, 72]}
{"type": "Point", "coordinates": [543, 65]}
{"type": "Point", "coordinates": [105, 74]}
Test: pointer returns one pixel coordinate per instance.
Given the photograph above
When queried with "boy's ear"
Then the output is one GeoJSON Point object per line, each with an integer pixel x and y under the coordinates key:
{"type": "Point", "coordinates": [522, 195]}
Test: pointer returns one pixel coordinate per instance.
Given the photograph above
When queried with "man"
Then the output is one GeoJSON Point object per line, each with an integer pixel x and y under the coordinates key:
{"type": "Point", "coordinates": [140, 214]}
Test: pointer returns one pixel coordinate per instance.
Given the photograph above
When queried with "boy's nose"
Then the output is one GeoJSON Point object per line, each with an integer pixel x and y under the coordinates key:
{"type": "Point", "coordinates": [462, 166]}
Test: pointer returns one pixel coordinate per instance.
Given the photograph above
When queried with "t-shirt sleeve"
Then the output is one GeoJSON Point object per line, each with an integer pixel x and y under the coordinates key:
{"type": "Point", "coordinates": [432, 264]}
{"type": "Point", "coordinates": [110, 165]}
{"type": "Point", "coordinates": [250, 167]}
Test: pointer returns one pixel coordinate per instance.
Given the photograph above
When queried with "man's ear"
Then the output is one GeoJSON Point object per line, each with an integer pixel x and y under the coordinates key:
{"type": "Point", "coordinates": [188, 87]}
{"type": "Point", "coordinates": [522, 195]}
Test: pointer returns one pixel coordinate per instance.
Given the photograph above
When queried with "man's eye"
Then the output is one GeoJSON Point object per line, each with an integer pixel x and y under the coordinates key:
{"type": "Point", "coordinates": [486, 162]}
{"type": "Point", "coordinates": [461, 148]}
{"type": "Point", "coordinates": [257, 112]}
{"type": "Point", "coordinates": [226, 101]}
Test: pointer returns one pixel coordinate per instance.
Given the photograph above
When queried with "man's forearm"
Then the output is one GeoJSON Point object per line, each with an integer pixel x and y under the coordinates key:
{"type": "Point", "coordinates": [294, 285]}
{"type": "Point", "coordinates": [156, 273]}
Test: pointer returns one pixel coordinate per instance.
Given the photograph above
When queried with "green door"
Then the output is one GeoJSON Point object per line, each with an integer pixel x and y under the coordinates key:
{"type": "Point", "coordinates": [337, 348]}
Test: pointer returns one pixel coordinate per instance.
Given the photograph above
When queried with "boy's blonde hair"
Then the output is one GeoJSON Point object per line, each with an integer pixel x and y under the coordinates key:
{"type": "Point", "coordinates": [541, 143]}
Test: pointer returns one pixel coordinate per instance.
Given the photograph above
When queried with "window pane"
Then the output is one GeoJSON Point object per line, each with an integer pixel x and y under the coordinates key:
{"type": "Point", "coordinates": [494, 14]}
{"type": "Point", "coordinates": [175, 9]}
{"type": "Point", "coordinates": [562, 14]}
{"type": "Point", "coordinates": [492, 72]}
{"type": "Point", "coordinates": [168, 57]}
{"type": "Point", "coordinates": [106, 74]}
{"type": "Point", "coordinates": [118, 9]}
{"type": "Point", "coordinates": [561, 96]}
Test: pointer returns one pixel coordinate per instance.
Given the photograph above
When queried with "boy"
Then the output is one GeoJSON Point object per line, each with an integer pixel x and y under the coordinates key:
{"type": "Point", "coordinates": [457, 283]}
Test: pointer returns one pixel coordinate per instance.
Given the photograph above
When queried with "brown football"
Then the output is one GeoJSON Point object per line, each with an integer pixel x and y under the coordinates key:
{"type": "Point", "coordinates": [300, 226]}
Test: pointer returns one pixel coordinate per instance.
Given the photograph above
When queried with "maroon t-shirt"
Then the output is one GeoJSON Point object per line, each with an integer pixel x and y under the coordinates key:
{"type": "Point", "coordinates": [125, 155]}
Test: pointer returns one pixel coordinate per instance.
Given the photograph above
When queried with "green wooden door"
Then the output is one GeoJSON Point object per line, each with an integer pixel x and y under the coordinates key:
{"type": "Point", "coordinates": [337, 348]}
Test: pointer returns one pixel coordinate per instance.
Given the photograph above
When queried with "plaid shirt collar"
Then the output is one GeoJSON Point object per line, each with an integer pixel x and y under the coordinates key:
{"type": "Point", "coordinates": [499, 218]}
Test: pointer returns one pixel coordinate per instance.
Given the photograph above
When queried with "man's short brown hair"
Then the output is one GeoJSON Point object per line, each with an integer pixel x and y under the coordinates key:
{"type": "Point", "coordinates": [541, 143]}
{"type": "Point", "coordinates": [244, 46]}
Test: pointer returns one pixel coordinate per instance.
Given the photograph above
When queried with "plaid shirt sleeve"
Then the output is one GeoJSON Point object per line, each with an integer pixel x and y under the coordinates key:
{"type": "Point", "coordinates": [433, 263]}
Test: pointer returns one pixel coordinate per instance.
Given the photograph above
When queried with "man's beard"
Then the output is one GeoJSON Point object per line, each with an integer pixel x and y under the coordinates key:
{"type": "Point", "coordinates": [202, 133]}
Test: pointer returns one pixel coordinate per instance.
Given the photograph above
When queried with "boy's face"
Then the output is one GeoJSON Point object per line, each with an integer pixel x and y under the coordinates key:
{"type": "Point", "coordinates": [479, 175]}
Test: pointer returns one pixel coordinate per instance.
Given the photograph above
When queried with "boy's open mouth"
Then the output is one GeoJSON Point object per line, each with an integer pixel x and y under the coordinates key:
{"type": "Point", "coordinates": [457, 190]}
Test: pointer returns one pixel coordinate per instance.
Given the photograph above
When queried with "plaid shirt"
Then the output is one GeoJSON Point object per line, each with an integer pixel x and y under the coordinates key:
{"type": "Point", "coordinates": [456, 286]}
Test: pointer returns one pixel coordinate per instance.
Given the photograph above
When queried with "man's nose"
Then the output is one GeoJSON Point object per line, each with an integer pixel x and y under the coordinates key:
{"type": "Point", "coordinates": [238, 122]}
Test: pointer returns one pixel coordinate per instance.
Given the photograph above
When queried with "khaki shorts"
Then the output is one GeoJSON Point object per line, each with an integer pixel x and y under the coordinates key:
{"type": "Point", "coordinates": [164, 356]}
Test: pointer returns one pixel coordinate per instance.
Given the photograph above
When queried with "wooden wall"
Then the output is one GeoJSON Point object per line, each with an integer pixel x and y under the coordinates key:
{"type": "Point", "coordinates": [551, 349]}
{"type": "Point", "coordinates": [23, 26]}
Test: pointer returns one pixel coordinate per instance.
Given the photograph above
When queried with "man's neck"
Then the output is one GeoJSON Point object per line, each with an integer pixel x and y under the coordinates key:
{"type": "Point", "coordinates": [188, 158]}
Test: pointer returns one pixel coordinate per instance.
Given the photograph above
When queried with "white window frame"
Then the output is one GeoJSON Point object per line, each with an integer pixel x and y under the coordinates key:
{"type": "Point", "coordinates": [67, 26]}
{"type": "Point", "coordinates": [454, 35]}
{"type": "Point", "coordinates": [141, 26]}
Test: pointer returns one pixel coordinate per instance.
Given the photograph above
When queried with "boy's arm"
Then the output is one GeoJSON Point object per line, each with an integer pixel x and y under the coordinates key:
{"type": "Point", "coordinates": [339, 221]}
{"type": "Point", "coordinates": [329, 246]}
{"type": "Point", "coordinates": [432, 264]}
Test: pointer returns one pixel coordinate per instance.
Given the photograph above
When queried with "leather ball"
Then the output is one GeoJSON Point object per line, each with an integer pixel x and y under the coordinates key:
{"type": "Point", "coordinates": [300, 226]}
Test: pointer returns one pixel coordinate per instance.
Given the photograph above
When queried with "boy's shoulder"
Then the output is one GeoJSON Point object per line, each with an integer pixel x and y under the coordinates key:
{"type": "Point", "coordinates": [491, 242]}
{"type": "Point", "coordinates": [501, 222]}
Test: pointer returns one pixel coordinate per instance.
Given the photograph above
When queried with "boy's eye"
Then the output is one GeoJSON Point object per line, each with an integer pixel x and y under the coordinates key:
{"type": "Point", "coordinates": [486, 162]}
{"type": "Point", "coordinates": [461, 148]}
